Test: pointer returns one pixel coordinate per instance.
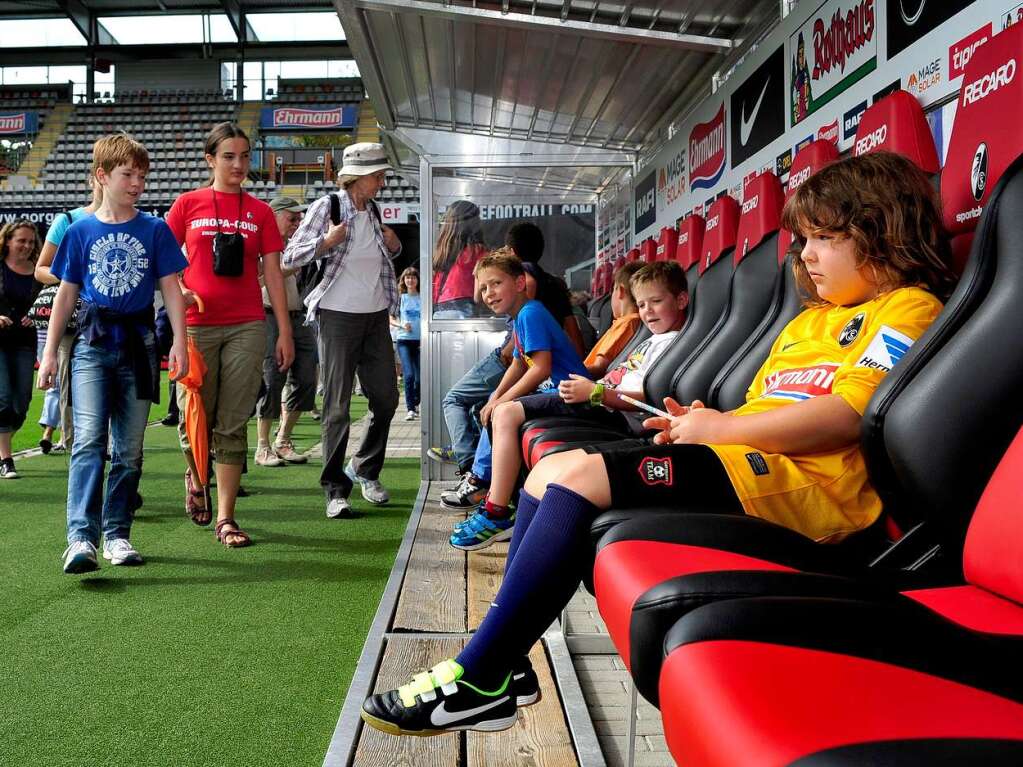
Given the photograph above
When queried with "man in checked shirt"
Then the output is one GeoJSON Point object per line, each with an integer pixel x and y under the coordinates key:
{"type": "Point", "coordinates": [354, 294]}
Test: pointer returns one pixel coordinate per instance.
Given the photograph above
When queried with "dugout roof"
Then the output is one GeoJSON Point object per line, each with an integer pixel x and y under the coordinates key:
{"type": "Point", "coordinates": [572, 78]}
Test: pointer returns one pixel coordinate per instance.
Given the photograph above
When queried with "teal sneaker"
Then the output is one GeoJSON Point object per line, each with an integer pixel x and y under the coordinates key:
{"type": "Point", "coordinates": [480, 531]}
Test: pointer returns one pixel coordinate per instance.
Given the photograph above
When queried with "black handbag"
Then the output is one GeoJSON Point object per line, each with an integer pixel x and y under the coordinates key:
{"type": "Point", "coordinates": [228, 248]}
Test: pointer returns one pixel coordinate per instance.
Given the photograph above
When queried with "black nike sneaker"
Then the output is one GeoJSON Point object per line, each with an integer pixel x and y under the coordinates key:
{"type": "Point", "coordinates": [525, 686]}
{"type": "Point", "coordinates": [439, 701]}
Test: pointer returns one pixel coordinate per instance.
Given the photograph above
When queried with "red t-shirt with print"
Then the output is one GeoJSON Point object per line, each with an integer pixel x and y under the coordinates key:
{"type": "Point", "coordinates": [194, 221]}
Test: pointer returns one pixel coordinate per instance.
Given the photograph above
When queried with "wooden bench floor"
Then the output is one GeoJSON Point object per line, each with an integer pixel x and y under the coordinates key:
{"type": "Point", "coordinates": [447, 591]}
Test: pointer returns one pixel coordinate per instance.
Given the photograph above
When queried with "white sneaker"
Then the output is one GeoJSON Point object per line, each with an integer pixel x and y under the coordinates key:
{"type": "Point", "coordinates": [120, 552]}
{"type": "Point", "coordinates": [372, 490]}
{"type": "Point", "coordinates": [339, 508]}
{"type": "Point", "coordinates": [80, 557]}
{"type": "Point", "coordinates": [410, 415]}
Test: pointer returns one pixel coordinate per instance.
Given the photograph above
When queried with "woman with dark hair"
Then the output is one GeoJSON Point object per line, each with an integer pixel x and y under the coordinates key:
{"type": "Point", "coordinates": [459, 247]}
{"type": "Point", "coordinates": [19, 247]}
{"type": "Point", "coordinates": [226, 232]}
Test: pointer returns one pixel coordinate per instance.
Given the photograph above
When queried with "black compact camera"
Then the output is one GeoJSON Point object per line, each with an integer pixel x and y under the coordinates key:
{"type": "Point", "coordinates": [228, 254]}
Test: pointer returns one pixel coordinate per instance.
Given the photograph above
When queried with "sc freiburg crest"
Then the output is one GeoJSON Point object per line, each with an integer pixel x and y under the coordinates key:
{"type": "Point", "coordinates": [851, 330]}
{"type": "Point", "coordinates": [656, 471]}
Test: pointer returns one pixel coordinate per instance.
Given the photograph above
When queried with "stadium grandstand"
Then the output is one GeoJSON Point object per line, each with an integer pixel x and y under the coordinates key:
{"type": "Point", "coordinates": [735, 489]}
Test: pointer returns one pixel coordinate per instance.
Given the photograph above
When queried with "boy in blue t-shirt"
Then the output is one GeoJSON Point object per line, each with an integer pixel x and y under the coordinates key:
{"type": "Point", "coordinates": [114, 260]}
{"type": "Point", "coordinates": [542, 357]}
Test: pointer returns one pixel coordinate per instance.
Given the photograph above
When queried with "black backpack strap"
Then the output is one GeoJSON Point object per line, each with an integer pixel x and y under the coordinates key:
{"type": "Point", "coordinates": [335, 209]}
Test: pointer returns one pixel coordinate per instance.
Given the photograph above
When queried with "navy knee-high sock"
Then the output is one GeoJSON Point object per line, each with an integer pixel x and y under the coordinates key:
{"type": "Point", "coordinates": [524, 511]}
{"type": "Point", "coordinates": [537, 585]}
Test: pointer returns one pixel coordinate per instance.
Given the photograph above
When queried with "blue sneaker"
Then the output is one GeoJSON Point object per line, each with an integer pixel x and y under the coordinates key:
{"type": "Point", "coordinates": [479, 531]}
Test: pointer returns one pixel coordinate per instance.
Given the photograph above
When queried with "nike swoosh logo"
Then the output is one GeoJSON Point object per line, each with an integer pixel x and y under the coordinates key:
{"type": "Point", "coordinates": [441, 717]}
{"type": "Point", "coordinates": [746, 126]}
{"type": "Point", "coordinates": [786, 347]}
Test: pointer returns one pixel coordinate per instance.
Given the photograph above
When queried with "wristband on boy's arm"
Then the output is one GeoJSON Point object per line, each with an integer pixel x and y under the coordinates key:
{"type": "Point", "coordinates": [597, 395]}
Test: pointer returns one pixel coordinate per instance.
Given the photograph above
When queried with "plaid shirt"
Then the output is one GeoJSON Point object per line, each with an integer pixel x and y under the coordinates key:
{"type": "Point", "coordinates": [301, 250]}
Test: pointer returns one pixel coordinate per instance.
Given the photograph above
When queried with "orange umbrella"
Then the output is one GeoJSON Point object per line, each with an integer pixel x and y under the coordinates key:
{"type": "Point", "coordinates": [193, 413]}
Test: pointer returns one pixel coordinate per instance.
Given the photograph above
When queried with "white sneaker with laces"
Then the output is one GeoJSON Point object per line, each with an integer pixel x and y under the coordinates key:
{"type": "Point", "coordinates": [120, 552]}
{"type": "Point", "coordinates": [372, 490]}
{"type": "Point", "coordinates": [410, 415]}
{"type": "Point", "coordinates": [339, 508]}
{"type": "Point", "coordinates": [266, 456]}
{"type": "Point", "coordinates": [80, 557]}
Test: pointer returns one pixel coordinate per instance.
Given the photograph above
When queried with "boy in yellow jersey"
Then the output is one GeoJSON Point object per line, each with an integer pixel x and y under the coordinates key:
{"type": "Point", "coordinates": [874, 259]}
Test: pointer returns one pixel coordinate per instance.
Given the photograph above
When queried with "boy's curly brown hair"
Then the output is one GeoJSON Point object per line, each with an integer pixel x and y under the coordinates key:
{"type": "Point", "coordinates": [890, 210]}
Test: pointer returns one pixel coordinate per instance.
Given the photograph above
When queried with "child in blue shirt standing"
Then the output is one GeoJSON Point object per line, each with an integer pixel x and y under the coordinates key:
{"type": "Point", "coordinates": [115, 260]}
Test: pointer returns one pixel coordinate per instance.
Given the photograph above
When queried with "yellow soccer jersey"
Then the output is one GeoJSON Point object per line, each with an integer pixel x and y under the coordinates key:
{"type": "Point", "coordinates": [825, 350]}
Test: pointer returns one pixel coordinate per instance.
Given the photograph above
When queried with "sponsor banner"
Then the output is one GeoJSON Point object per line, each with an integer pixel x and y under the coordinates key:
{"type": "Point", "coordinates": [960, 53]}
{"type": "Point", "coordinates": [783, 163]}
{"type": "Point", "coordinates": [671, 180]}
{"type": "Point", "coordinates": [803, 144]}
{"type": "Point", "coordinates": [911, 20]}
{"type": "Point", "coordinates": [828, 133]}
{"type": "Point", "coordinates": [399, 212]}
{"type": "Point", "coordinates": [757, 108]}
{"type": "Point", "coordinates": [301, 118]}
{"type": "Point", "coordinates": [14, 123]}
{"type": "Point", "coordinates": [43, 217]}
{"type": "Point", "coordinates": [924, 78]}
{"type": "Point", "coordinates": [1012, 16]}
{"type": "Point", "coordinates": [707, 152]}
{"type": "Point", "coordinates": [833, 49]}
{"type": "Point", "coordinates": [493, 212]}
{"type": "Point", "coordinates": [851, 121]}
{"type": "Point", "coordinates": [646, 203]}
{"type": "Point", "coordinates": [888, 90]}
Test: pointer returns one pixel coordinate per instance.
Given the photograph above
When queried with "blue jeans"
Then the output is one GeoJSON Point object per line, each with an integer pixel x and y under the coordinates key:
{"type": "Point", "coordinates": [408, 352]}
{"type": "Point", "coordinates": [471, 390]}
{"type": "Point", "coordinates": [16, 364]}
{"type": "Point", "coordinates": [103, 395]}
{"type": "Point", "coordinates": [50, 414]}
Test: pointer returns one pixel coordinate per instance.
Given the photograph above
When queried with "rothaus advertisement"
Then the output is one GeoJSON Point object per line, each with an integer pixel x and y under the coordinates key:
{"type": "Point", "coordinates": [834, 48]}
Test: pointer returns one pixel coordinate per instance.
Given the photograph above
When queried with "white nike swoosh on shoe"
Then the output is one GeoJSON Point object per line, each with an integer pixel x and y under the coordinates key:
{"type": "Point", "coordinates": [441, 717]}
{"type": "Point", "coordinates": [746, 126]}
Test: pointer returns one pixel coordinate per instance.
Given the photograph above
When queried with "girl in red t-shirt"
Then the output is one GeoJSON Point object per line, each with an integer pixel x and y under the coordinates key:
{"type": "Point", "coordinates": [459, 247]}
{"type": "Point", "coordinates": [225, 232]}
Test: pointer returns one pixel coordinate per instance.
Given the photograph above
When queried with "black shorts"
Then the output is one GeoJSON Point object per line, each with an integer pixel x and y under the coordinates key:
{"type": "Point", "coordinates": [690, 478]}
{"type": "Point", "coordinates": [546, 405]}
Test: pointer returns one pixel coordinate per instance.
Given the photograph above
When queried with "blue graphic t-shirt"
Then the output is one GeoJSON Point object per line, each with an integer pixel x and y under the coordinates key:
{"type": "Point", "coordinates": [536, 330]}
{"type": "Point", "coordinates": [409, 311]}
{"type": "Point", "coordinates": [118, 265]}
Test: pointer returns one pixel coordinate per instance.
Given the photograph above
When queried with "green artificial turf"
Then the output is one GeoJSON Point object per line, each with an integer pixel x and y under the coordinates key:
{"type": "Point", "coordinates": [205, 655]}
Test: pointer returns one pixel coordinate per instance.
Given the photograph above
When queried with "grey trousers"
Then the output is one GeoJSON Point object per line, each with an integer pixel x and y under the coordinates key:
{"type": "Point", "coordinates": [349, 344]}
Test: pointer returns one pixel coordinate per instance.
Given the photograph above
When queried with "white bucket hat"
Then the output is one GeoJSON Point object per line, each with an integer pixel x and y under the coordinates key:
{"type": "Point", "coordinates": [363, 159]}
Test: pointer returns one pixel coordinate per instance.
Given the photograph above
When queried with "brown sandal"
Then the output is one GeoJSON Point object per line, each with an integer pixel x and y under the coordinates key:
{"type": "Point", "coordinates": [200, 515]}
{"type": "Point", "coordinates": [222, 534]}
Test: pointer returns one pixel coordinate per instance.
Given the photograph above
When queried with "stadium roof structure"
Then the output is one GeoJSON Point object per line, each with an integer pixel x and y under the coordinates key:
{"type": "Point", "coordinates": [568, 80]}
{"type": "Point", "coordinates": [99, 42]}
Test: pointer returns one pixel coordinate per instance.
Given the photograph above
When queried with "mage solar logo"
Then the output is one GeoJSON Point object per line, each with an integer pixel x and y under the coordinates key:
{"type": "Point", "coordinates": [656, 471]}
{"type": "Point", "coordinates": [707, 152]}
{"type": "Point", "coordinates": [851, 330]}
{"type": "Point", "coordinates": [886, 348]}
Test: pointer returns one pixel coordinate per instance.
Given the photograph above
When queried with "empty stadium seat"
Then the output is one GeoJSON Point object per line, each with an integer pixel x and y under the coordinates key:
{"type": "Point", "coordinates": [930, 673]}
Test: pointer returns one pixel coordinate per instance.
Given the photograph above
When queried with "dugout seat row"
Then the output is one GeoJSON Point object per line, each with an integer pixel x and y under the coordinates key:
{"type": "Point", "coordinates": [784, 651]}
